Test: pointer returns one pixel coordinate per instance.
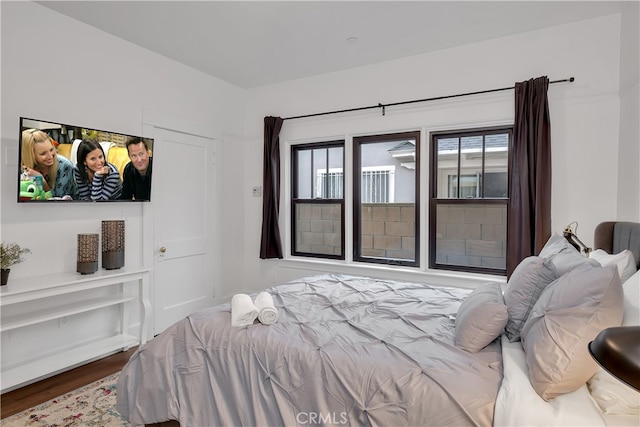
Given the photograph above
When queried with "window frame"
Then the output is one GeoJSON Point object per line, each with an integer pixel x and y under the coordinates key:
{"type": "Point", "coordinates": [358, 141]}
{"type": "Point", "coordinates": [434, 201]}
{"type": "Point", "coordinates": [315, 200]}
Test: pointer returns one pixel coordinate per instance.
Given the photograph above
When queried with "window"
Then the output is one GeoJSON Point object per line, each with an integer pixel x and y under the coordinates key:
{"type": "Point", "coordinates": [377, 184]}
{"type": "Point", "coordinates": [469, 197]}
{"type": "Point", "coordinates": [317, 203]}
{"type": "Point", "coordinates": [471, 185]}
{"type": "Point", "coordinates": [386, 199]}
{"type": "Point", "coordinates": [468, 201]}
{"type": "Point", "coordinates": [330, 184]}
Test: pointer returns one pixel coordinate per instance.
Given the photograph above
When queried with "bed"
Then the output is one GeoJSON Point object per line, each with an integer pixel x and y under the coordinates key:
{"type": "Point", "coordinates": [353, 350]}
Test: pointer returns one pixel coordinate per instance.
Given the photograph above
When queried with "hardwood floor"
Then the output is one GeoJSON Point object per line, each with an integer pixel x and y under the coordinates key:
{"type": "Point", "coordinates": [23, 398]}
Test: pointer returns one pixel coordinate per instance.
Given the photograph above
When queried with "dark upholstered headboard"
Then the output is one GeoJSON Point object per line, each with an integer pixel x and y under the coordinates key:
{"type": "Point", "coordinates": [616, 236]}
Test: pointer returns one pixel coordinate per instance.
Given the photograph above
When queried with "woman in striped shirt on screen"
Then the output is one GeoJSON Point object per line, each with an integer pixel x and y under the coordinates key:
{"type": "Point", "coordinates": [96, 178]}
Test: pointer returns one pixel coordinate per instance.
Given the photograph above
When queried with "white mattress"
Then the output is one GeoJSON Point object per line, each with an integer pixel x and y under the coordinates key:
{"type": "Point", "coordinates": [519, 405]}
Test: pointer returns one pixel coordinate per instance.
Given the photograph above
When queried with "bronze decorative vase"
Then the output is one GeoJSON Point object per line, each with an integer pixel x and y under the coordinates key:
{"type": "Point", "coordinates": [5, 276]}
{"type": "Point", "coordinates": [87, 262]}
{"type": "Point", "coordinates": [112, 244]}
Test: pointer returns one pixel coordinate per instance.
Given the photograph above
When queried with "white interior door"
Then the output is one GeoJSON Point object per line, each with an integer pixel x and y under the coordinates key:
{"type": "Point", "coordinates": [183, 198]}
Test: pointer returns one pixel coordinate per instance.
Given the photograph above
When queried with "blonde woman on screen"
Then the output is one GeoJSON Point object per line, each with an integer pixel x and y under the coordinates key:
{"type": "Point", "coordinates": [40, 158]}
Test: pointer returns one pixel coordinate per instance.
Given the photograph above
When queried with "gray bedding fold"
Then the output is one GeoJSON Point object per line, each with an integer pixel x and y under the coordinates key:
{"type": "Point", "coordinates": [345, 350]}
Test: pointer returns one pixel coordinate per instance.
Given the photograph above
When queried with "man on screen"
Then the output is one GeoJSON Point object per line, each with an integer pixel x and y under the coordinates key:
{"type": "Point", "coordinates": [136, 178]}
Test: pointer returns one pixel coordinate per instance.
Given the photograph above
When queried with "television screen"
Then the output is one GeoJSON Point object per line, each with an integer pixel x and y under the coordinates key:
{"type": "Point", "coordinates": [68, 163]}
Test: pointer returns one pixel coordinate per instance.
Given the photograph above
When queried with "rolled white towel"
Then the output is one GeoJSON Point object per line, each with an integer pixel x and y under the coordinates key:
{"type": "Point", "coordinates": [267, 312]}
{"type": "Point", "coordinates": [243, 311]}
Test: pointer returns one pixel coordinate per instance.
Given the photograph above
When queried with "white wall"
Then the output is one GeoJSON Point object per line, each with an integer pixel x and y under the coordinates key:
{"type": "Point", "coordinates": [58, 69]}
{"type": "Point", "coordinates": [585, 118]}
{"type": "Point", "coordinates": [63, 70]}
{"type": "Point", "coordinates": [629, 154]}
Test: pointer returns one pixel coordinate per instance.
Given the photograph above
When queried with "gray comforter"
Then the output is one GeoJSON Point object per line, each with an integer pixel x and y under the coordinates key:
{"type": "Point", "coordinates": [345, 351]}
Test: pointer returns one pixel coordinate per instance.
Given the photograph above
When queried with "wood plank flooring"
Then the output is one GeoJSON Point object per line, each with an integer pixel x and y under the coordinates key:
{"type": "Point", "coordinates": [23, 398]}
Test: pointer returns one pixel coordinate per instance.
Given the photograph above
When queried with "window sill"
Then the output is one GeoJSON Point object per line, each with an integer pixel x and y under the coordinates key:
{"type": "Point", "coordinates": [428, 276]}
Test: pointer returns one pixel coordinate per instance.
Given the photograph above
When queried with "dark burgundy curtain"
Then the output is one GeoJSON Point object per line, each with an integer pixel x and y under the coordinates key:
{"type": "Point", "coordinates": [529, 213]}
{"type": "Point", "coordinates": [271, 245]}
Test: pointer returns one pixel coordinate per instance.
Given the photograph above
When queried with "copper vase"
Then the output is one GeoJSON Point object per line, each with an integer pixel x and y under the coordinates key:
{"type": "Point", "coordinates": [113, 244]}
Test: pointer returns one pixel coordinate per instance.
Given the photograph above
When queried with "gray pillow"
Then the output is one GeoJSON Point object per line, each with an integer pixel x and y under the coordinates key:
{"type": "Point", "coordinates": [563, 255]}
{"type": "Point", "coordinates": [524, 287]}
{"type": "Point", "coordinates": [568, 315]}
{"type": "Point", "coordinates": [481, 318]}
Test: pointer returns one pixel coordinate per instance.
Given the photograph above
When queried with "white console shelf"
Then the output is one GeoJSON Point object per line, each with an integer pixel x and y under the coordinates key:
{"type": "Point", "coordinates": [23, 290]}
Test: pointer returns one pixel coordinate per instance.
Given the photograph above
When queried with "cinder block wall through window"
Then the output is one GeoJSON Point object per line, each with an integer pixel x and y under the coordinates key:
{"type": "Point", "coordinates": [472, 235]}
{"type": "Point", "coordinates": [388, 230]}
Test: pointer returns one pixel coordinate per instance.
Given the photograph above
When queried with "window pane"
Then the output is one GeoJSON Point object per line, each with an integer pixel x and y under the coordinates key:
{"type": "Point", "coordinates": [303, 175]}
{"type": "Point", "coordinates": [317, 224]}
{"type": "Point", "coordinates": [332, 184]}
{"type": "Point", "coordinates": [471, 235]}
{"type": "Point", "coordinates": [320, 168]}
{"type": "Point", "coordinates": [447, 167]}
{"type": "Point", "coordinates": [318, 228]}
{"type": "Point", "coordinates": [469, 186]}
{"type": "Point", "coordinates": [496, 151]}
{"type": "Point", "coordinates": [495, 185]}
{"type": "Point", "coordinates": [333, 180]}
{"type": "Point", "coordinates": [319, 173]}
{"type": "Point", "coordinates": [387, 199]}
{"type": "Point", "coordinates": [388, 231]}
{"type": "Point", "coordinates": [471, 148]}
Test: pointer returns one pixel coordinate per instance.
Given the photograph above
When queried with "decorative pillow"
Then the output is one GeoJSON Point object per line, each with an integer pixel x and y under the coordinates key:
{"type": "Point", "coordinates": [564, 256]}
{"type": "Point", "coordinates": [612, 396]}
{"type": "Point", "coordinates": [524, 287]}
{"type": "Point", "coordinates": [481, 318]}
{"type": "Point", "coordinates": [568, 315]}
{"type": "Point", "coordinates": [624, 260]}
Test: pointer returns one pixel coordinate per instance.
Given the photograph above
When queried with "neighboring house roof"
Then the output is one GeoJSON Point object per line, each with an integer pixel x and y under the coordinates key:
{"type": "Point", "coordinates": [404, 146]}
{"type": "Point", "coordinates": [405, 152]}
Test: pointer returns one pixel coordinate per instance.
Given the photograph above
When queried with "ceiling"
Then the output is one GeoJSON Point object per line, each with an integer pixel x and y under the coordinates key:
{"type": "Point", "coordinates": [256, 43]}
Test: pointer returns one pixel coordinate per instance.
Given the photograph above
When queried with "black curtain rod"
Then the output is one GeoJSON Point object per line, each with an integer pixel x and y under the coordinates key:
{"type": "Point", "coordinates": [384, 106]}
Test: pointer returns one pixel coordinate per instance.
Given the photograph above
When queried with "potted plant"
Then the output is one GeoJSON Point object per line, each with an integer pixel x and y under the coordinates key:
{"type": "Point", "coordinates": [10, 254]}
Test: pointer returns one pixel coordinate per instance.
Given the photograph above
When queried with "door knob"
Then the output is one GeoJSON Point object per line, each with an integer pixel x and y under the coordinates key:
{"type": "Point", "coordinates": [163, 249]}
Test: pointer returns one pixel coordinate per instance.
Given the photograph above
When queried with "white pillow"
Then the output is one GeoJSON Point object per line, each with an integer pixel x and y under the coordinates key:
{"type": "Point", "coordinates": [624, 260]}
{"type": "Point", "coordinates": [631, 290]}
{"type": "Point", "coordinates": [613, 396]}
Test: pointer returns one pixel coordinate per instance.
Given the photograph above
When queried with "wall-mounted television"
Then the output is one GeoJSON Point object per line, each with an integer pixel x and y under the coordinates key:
{"type": "Point", "coordinates": [60, 162]}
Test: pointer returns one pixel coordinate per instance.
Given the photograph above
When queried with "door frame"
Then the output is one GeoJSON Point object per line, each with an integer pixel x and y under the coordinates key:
{"type": "Point", "coordinates": [152, 120]}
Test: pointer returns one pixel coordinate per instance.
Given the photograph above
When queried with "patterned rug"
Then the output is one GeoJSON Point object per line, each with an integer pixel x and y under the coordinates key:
{"type": "Point", "coordinates": [92, 405]}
